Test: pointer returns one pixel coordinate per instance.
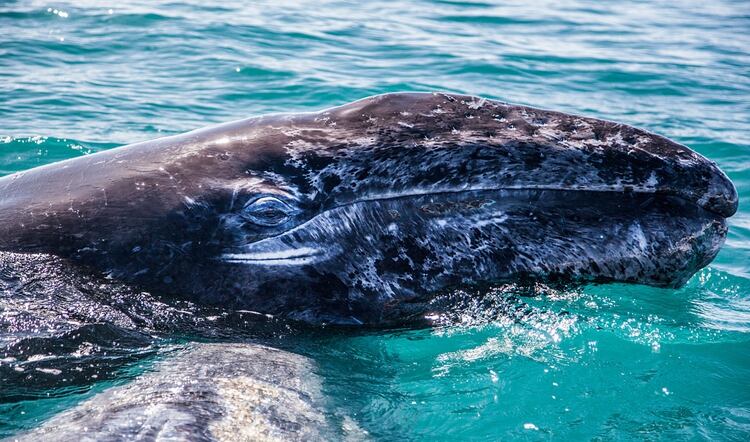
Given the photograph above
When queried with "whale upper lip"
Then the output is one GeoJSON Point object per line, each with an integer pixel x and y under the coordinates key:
{"type": "Point", "coordinates": [459, 140]}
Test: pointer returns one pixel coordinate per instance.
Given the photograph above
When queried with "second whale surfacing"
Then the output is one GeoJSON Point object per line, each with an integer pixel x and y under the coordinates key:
{"type": "Point", "coordinates": [362, 213]}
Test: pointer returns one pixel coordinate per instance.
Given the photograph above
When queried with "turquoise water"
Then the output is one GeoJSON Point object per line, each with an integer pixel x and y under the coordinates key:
{"type": "Point", "coordinates": [602, 362]}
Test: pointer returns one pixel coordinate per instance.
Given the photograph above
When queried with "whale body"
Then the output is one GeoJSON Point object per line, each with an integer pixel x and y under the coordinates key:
{"type": "Point", "coordinates": [363, 213]}
{"type": "Point", "coordinates": [208, 392]}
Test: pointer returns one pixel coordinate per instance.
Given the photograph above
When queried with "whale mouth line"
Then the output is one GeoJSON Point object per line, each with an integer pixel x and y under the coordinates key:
{"type": "Point", "coordinates": [604, 189]}
{"type": "Point", "coordinates": [290, 256]}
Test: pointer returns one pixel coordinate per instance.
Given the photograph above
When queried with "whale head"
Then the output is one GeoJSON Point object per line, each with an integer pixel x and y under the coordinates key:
{"type": "Point", "coordinates": [362, 213]}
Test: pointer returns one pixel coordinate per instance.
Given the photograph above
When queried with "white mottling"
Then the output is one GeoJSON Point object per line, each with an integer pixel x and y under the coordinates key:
{"type": "Point", "coordinates": [637, 234]}
{"type": "Point", "coordinates": [501, 218]}
{"type": "Point", "coordinates": [477, 104]}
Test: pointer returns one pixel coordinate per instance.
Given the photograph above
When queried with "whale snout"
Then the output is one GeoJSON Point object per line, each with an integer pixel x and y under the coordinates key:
{"type": "Point", "coordinates": [721, 197]}
{"type": "Point", "coordinates": [681, 172]}
{"type": "Point", "coordinates": [453, 142]}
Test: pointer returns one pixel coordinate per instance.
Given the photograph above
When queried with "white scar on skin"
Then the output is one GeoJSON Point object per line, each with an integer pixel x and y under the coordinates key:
{"type": "Point", "coordinates": [302, 255]}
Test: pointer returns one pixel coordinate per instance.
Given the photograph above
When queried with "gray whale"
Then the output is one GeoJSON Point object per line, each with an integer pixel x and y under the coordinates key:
{"type": "Point", "coordinates": [362, 213]}
{"type": "Point", "coordinates": [209, 392]}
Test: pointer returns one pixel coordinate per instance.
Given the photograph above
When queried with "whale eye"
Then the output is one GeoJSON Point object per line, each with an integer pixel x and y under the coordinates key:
{"type": "Point", "coordinates": [267, 211]}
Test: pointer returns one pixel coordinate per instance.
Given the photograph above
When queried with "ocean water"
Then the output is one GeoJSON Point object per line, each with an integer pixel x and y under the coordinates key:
{"type": "Point", "coordinates": [604, 362]}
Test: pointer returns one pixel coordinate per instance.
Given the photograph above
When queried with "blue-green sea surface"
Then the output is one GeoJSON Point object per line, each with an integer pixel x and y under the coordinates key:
{"type": "Point", "coordinates": [610, 362]}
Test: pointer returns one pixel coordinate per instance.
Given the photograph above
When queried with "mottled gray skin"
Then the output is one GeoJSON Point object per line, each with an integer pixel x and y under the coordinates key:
{"type": "Point", "coordinates": [208, 392]}
{"type": "Point", "coordinates": [362, 213]}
